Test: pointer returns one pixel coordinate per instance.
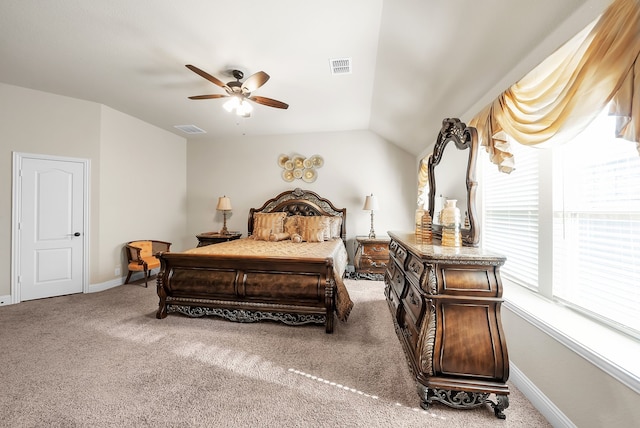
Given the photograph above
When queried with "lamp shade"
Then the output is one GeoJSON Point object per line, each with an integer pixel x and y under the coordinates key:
{"type": "Point", "coordinates": [224, 204]}
{"type": "Point", "coordinates": [370, 203]}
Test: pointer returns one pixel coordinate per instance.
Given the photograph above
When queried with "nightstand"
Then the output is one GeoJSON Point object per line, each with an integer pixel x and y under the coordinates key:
{"type": "Point", "coordinates": [209, 238]}
{"type": "Point", "coordinates": [371, 258]}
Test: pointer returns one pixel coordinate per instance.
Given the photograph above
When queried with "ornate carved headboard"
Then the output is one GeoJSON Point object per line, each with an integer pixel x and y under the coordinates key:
{"type": "Point", "coordinates": [301, 202]}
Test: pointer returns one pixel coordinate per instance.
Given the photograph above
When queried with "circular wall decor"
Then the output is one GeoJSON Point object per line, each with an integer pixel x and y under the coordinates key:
{"type": "Point", "coordinates": [299, 167]}
{"type": "Point", "coordinates": [309, 175]}
{"type": "Point", "coordinates": [287, 175]}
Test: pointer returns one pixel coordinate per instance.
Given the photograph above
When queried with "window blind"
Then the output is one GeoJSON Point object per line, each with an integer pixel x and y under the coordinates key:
{"type": "Point", "coordinates": [510, 204]}
{"type": "Point", "coordinates": [596, 264]}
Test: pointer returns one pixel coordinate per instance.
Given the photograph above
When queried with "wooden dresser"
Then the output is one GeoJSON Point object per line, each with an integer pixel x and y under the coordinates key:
{"type": "Point", "coordinates": [445, 303]}
{"type": "Point", "coordinates": [371, 257]}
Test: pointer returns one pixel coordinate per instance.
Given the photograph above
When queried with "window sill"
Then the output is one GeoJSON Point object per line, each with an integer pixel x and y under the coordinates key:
{"type": "Point", "coordinates": [613, 352]}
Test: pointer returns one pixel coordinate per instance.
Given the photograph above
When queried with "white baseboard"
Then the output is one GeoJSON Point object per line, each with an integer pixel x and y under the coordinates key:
{"type": "Point", "coordinates": [540, 401]}
{"type": "Point", "coordinates": [94, 288]}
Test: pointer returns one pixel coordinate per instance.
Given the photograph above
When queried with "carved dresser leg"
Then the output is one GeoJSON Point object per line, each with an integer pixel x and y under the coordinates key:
{"type": "Point", "coordinates": [502, 402]}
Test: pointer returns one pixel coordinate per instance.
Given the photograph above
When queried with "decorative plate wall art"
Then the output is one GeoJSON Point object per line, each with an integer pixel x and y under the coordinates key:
{"type": "Point", "coordinates": [299, 167]}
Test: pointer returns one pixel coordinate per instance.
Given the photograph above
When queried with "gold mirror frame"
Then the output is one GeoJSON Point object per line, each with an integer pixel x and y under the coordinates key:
{"type": "Point", "coordinates": [455, 132]}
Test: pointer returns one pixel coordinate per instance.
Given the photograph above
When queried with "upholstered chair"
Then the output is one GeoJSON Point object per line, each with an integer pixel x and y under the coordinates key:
{"type": "Point", "coordinates": [141, 257]}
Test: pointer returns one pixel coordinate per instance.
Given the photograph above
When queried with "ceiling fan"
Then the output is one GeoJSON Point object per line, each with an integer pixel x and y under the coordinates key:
{"type": "Point", "coordinates": [238, 92]}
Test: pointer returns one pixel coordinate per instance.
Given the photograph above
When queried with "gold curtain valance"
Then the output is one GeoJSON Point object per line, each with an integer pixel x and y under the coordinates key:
{"type": "Point", "coordinates": [423, 180]}
{"type": "Point", "coordinates": [560, 97]}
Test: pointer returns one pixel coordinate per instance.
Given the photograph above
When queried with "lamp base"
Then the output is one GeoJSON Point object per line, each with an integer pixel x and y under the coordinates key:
{"type": "Point", "coordinates": [372, 233]}
{"type": "Point", "coordinates": [224, 230]}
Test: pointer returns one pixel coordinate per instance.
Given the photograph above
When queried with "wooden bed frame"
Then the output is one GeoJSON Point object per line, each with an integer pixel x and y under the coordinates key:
{"type": "Point", "coordinates": [252, 288]}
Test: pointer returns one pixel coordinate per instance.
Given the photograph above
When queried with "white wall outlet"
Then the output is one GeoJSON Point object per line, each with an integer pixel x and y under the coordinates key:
{"type": "Point", "coordinates": [118, 271]}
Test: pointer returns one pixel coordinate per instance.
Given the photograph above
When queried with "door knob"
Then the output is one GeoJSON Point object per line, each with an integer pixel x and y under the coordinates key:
{"type": "Point", "coordinates": [76, 234]}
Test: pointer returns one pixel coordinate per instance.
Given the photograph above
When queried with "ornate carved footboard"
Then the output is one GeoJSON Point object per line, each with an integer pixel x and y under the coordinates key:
{"type": "Point", "coordinates": [248, 289]}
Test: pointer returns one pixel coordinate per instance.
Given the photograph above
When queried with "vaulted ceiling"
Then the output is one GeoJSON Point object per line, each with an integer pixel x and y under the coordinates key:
{"type": "Point", "coordinates": [413, 62]}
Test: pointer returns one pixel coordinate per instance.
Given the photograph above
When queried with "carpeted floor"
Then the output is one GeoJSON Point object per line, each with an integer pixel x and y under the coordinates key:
{"type": "Point", "coordinates": [103, 359]}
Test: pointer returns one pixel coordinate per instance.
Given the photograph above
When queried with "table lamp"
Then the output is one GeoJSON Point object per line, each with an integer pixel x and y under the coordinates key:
{"type": "Point", "coordinates": [371, 204]}
{"type": "Point", "coordinates": [224, 205]}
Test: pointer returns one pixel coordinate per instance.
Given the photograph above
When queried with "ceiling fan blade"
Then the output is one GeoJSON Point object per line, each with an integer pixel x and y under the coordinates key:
{"type": "Point", "coordinates": [207, 76]}
{"type": "Point", "coordinates": [269, 102]}
{"type": "Point", "coordinates": [254, 81]}
{"type": "Point", "coordinates": [207, 97]}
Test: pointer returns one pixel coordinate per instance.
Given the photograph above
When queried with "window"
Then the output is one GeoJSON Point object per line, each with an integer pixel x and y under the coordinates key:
{"type": "Point", "coordinates": [569, 220]}
{"type": "Point", "coordinates": [511, 215]}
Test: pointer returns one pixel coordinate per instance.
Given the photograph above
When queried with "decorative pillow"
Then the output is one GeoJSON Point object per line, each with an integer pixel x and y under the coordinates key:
{"type": "Point", "coordinates": [291, 225]}
{"type": "Point", "coordinates": [270, 221]}
{"type": "Point", "coordinates": [335, 227]}
{"type": "Point", "coordinates": [261, 234]}
{"type": "Point", "coordinates": [314, 222]}
{"type": "Point", "coordinates": [279, 236]}
{"type": "Point", "coordinates": [296, 238]}
{"type": "Point", "coordinates": [313, 234]}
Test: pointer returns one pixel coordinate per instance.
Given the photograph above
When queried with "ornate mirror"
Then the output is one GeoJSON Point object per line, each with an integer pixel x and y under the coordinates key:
{"type": "Point", "coordinates": [452, 176]}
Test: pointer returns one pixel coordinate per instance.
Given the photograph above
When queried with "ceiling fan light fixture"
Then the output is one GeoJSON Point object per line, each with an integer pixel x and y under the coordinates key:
{"type": "Point", "coordinates": [232, 104]}
{"type": "Point", "coordinates": [239, 93]}
{"type": "Point", "coordinates": [244, 109]}
{"type": "Point", "coordinates": [239, 105]}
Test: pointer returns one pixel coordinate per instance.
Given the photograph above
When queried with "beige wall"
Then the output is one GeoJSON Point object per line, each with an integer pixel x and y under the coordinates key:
{"type": "Point", "coordinates": [586, 395]}
{"type": "Point", "coordinates": [41, 123]}
{"type": "Point", "coordinates": [357, 163]}
{"type": "Point", "coordinates": [142, 188]}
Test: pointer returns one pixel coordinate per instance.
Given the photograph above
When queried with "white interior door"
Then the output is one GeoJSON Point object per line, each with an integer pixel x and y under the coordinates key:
{"type": "Point", "coordinates": [51, 227]}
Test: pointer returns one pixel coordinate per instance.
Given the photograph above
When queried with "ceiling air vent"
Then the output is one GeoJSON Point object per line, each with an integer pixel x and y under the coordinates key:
{"type": "Point", "coordinates": [190, 129]}
{"type": "Point", "coordinates": [340, 66]}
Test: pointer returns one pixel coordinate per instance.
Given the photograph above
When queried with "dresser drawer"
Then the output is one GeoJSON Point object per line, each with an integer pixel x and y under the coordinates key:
{"type": "Point", "coordinates": [396, 280]}
{"type": "Point", "coordinates": [415, 270]}
{"type": "Point", "coordinates": [376, 250]}
{"type": "Point", "coordinates": [393, 247]}
{"type": "Point", "coordinates": [468, 281]}
{"type": "Point", "coordinates": [414, 304]}
{"type": "Point", "coordinates": [393, 300]}
{"type": "Point", "coordinates": [398, 253]}
{"type": "Point", "coordinates": [370, 264]}
{"type": "Point", "coordinates": [410, 332]}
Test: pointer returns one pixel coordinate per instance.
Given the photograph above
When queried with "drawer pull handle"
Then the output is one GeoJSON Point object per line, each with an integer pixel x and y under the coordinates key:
{"type": "Point", "coordinates": [413, 299]}
{"type": "Point", "coordinates": [378, 249]}
{"type": "Point", "coordinates": [415, 267]}
{"type": "Point", "coordinates": [374, 264]}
